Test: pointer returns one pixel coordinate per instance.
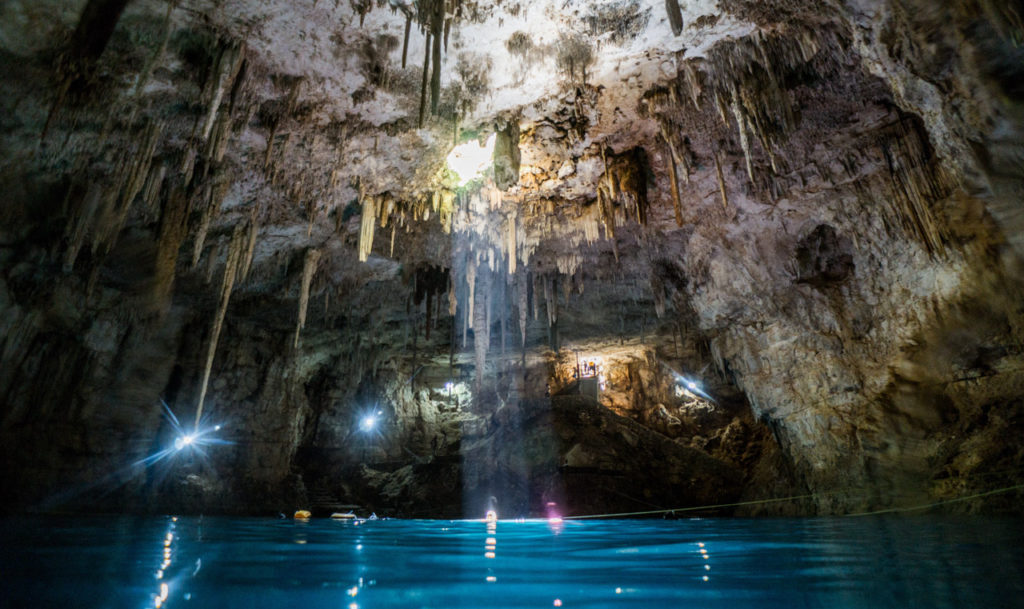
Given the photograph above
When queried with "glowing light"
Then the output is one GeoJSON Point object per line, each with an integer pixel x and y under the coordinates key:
{"type": "Point", "coordinates": [492, 578]}
{"type": "Point", "coordinates": [488, 554]}
{"type": "Point", "coordinates": [368, 423]}
{"type": "Point", "coordinates": [469, 160]}
{"type": "Point", "coordinates": [492, 516]}
{"type": "Point", "coordinates": [705, 578]}
{"type": "Point", "coordinates": [353, 591]}
{"type": "Point", "coordinates": [618, 591]}
{"type": "Point", "coordinates": [691, 385]}
{"type": "Point", "coordinates": [558, 602]}
{"type": "Point", "coordinates": [183, 441]}
{"type": "Point", "coordinates": [449, 385]}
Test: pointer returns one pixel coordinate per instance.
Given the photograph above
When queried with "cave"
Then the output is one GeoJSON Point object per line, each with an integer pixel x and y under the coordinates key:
{"type": "Point", "coordinates": [452, 259]}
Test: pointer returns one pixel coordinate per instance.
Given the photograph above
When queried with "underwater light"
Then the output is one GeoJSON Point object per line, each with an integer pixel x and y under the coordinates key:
{"type": "Point", "coordinates": [469, 160]}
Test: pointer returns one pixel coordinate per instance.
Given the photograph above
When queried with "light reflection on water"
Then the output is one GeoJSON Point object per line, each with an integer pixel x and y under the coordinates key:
{"type": "Point", "coordinates": [216, 562]}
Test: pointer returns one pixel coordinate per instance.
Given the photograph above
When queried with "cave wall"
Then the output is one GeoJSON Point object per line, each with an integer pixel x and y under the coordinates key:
{"type": "Point", "coordinates": [814, 208]}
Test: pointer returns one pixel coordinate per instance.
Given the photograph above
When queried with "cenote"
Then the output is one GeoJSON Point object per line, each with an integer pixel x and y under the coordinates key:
{"type": "Point", "coordinates": [726, 293]}
{"type": "Point", "coordinates": [856, 563]}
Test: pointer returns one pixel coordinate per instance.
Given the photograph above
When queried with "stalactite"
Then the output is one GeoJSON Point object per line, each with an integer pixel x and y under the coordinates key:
{"type": "Point", "coordinates": [510, 242]}
{"type": "Point", "coordinates": [423, 86]}
{"type": "Point", "coordinates": [481, 330]}
{"type": "Point", "coordinates": [522, 291]}
{"type": "Point", "coordinates": [741, 123]}
{"type": "Point", "coordinates": [95, 27]}
{"type": "Point", "coordinates": [721, 181]}
{"type": "Point", "coordinates": [369, 221]}
{"type": "Point", "coordinates": [675, 16]}
{"type": "Point", "coordinates": [550, 299]}
{"type": "Point", "coordinates": [157, 56]}
{"type": "Point", "coordinates": [151, 191]}
{"type": "Point", "coordinates": [405, 39]}
{"type": "Point", "coordinates": [437, 25]}
{"type": "Point", "coordinates": [308, 270]}
{"type": "Point", "coordinates": [252, 232]}
{"type": "Point", "coordinates": [112, 212]}
{"type": "Point", "coordinates": [78, 226]}
{"type": "Point", "coordinates": [209, 210]}
{"type": "Point", "coordinates": [674, 182]}
{"type": "Point", "coordinates": [538, 291]}
{"type": "Point", "coordinates": [471, 281]}
{"type": "Point", "coordinates": [453, 299]}
{"type": "Point", "coordinates": [226, 68]}
{"type": "Point", "coordinates": [916, 181]}
{"type": "Point", "coordinates": [227, 285]}
{"type": "Point", "coordinates": [173, 229]}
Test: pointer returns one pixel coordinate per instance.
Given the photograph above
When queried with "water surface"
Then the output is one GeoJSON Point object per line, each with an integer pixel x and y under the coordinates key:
{"type": "Point", "coordinates": [191, 562]}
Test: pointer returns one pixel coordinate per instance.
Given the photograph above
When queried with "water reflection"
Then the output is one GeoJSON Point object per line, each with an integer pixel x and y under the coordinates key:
{"type": "Point", "coordinates": [770, 564]}
{"type": "Point", "coordinates": [163, 590]}
{"type": "Point", "coordinates": [491, 544]}
{"type": "Point", "coordinates": [707, 560]}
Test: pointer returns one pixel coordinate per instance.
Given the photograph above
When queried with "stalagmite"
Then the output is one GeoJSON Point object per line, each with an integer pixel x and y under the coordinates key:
{"type": "Point", "coordinates": [308, 270]}
{"type": "Point", "coordinates": [227, 285]}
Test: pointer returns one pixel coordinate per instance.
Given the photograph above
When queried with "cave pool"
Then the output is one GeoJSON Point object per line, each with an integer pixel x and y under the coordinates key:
{"type": "Point", "coordinates": [192, 562]}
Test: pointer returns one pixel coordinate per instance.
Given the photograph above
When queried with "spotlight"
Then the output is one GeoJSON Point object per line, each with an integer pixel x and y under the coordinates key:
{"type": "Point", "coordinates": [449, 385]}
{"type": "Point", "coordinates": [368, 423]}
{"type": "Point", "coordinates": [691, 385]}
{"type": "Point", "coordinates": [183, 441]}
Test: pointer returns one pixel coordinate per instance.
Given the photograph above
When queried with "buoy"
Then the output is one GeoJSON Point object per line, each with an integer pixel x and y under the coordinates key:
{"type": "Point", "coordinates": [343, 516]}
{"type": "Point", "coordinates": [302, 514]}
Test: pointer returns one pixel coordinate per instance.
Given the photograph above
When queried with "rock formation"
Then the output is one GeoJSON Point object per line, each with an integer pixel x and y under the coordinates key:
{"type": "Point", "coordinates": [788, 233]}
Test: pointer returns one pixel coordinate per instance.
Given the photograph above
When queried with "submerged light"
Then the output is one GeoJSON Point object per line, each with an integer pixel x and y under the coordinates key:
{"type": "Point", "coordinates": [469, 160]}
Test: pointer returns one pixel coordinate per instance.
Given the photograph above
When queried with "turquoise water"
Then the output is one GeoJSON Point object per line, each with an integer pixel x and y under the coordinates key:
{"type": "Point", "coordinates": [222, 562]}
